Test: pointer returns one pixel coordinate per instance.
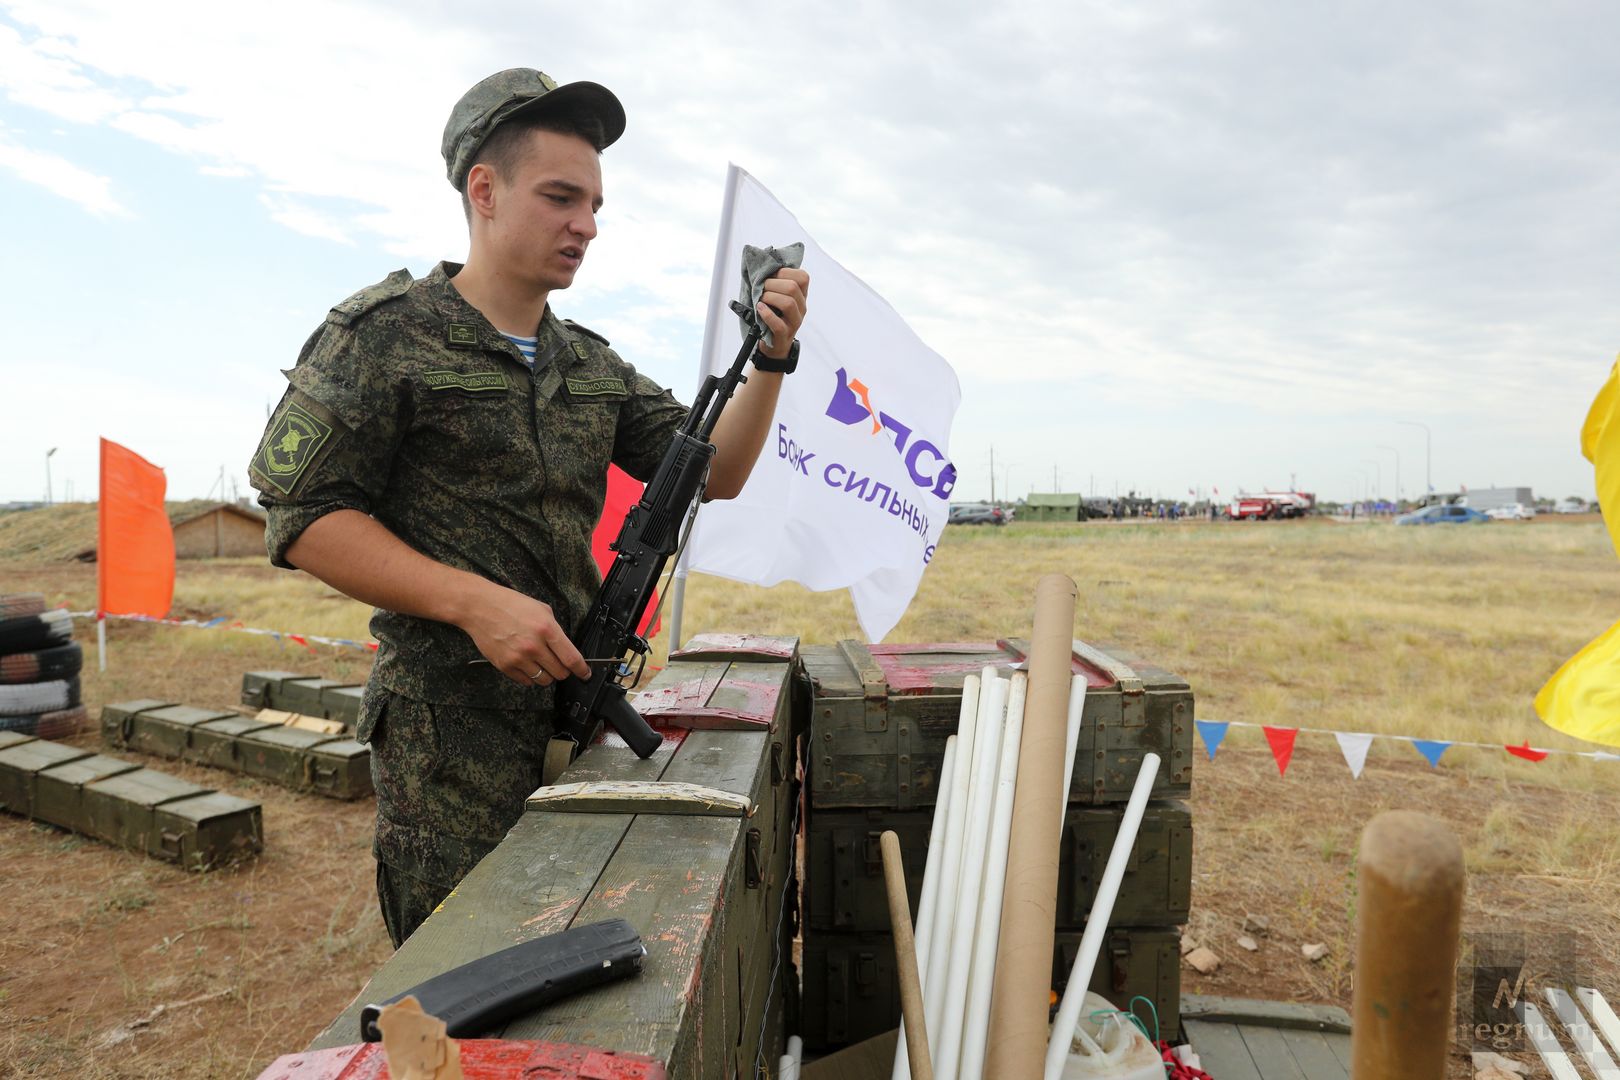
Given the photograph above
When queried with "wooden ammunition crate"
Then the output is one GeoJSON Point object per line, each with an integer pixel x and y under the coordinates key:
{"type": "Point", "coordinates": [291, 692]}
{"type": "Point", "coordinates": [851, 993]}
{"type": "Point", "coordinates": [880, 715]}
{"type": "Point", "coordinates": [124, 804]}
{"type": "Point", "coordinates": [843, 871]}
{"type": "Point", "coordinates": [332, 765]}
{"type": "Point", "coordinates": [709, 890]}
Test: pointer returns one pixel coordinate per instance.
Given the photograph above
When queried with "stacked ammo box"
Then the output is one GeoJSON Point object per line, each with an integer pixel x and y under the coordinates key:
{"type": "Point", "coordinates": [879, 718]}
{"type": "Point", "coordinates": [288, 691]}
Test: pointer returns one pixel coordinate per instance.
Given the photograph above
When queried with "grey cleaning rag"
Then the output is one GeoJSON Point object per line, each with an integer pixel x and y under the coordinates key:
{"type": "Point", "coordinates": [758, 264]}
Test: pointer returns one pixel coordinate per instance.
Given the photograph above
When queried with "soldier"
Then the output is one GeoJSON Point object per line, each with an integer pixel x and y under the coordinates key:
{"type": "Point", "coordinates": [442, 453]}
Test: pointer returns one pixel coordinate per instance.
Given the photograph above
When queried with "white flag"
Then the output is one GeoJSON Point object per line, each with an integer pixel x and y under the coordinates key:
{"type": "Point", "coordinates": [1354, 748]}
{"type": "Point", "coordinates": [852, 489]}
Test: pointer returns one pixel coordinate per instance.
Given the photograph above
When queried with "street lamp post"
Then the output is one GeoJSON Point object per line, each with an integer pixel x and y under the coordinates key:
{"type": "Point", "coordinates": [1428, 479]}
{"type": "Point", "coordinates": [48, 454]}
{"type": "Point", "coordinates": [1397, 454]}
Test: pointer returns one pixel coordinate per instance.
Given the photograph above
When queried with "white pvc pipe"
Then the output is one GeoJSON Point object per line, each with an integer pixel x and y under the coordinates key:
{"type": "Point", "coordinates": [1102, 909]}
{"type": "Point", "coordinates": [945, 911]}
{"type": "Point", "coordinates": [982, 976]}
{"type": "Point", "coordinates": [795, 1050]}
{"type": "Point", "coordinates": [101, 641]}
{"type": "Point", "coordinates": [787, 1068]}
{"type": "Point", "coordinates": [930, 895]}
{"type": "Point", "coordinates": [970, 881]}
{"type": "Point", "coordinates": [1077, 706]}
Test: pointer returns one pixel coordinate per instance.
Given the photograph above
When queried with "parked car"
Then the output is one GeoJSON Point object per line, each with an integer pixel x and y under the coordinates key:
{"type": "Point", "coordinates": [1570, 505]}
{"type": "Point", "coordinates": [1511, 512]}
{"type": "Point", "coordinates": [1441, 515]}
{"type": "Point", "coordinates": [976, 514]}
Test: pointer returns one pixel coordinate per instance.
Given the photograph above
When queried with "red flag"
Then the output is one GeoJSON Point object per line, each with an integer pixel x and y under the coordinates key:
{"type": "Point", "coordinates": [134, 541]}
{"type": "Point", "coordinates": [623, 491]}
{"type": "Point", "coordinates": [1282, 745]}
{"type": "Point", "coordinates": [1528, 752]}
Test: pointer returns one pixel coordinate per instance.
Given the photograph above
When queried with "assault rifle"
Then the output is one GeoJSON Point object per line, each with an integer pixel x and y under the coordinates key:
{"type": "Point", "coordinates": [653, 530]}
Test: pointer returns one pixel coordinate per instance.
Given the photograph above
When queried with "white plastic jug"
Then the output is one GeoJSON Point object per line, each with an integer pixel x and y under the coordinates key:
{"type": "Point", "coordinates": [1110, 1048]}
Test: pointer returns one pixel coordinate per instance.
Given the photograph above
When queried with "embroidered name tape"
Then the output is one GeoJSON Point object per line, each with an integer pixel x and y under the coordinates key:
{"type": "Point", "coordinates": [472, 382]}
{"type": "Point", "coordinates": [597, 387]}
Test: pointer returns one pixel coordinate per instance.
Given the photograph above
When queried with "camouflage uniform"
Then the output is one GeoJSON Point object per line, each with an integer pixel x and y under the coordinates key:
{"type": "Point", "coordinates": [409, 406]}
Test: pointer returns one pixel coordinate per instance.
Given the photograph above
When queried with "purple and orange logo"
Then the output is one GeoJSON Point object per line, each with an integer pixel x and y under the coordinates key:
{"type": "Point", "coordinates": [852, 404]}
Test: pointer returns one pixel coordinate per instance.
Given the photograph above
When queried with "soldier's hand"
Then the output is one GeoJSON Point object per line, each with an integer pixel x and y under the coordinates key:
{"type": "Point", "coordinates": [521, 637]}
{"type": "Point", "coordinates": [782, 308]}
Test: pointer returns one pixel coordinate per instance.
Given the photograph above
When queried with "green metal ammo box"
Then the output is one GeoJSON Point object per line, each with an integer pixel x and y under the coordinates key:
{"type": "Point", "coordinates": [851, 993]}
{"type": "Point", "coordinates": [22, 758]}
{"type": "Point", "coordinates": [288, 691]}
{"type": "Point", "coordinates": [880, 715]}
{"type": "Point", "coordinates": [330, 765]}
{"type": "Point", "coordinates": [704, 873]}
{"type": "Point", "coordinates": [218, 743]}
{"type": "Point", "coordinates": [844, 888]}
{"type": "Point", "coordinates": [126, 805]}
{"type": "Point", "coordinates": [261, 689]}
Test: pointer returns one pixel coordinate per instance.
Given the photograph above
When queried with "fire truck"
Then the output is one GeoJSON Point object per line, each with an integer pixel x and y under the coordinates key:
{"type": "Point", "coordinates": [1271, 504]}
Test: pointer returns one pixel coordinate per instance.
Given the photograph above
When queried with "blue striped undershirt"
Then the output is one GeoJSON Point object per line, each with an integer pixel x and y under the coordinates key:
{"type": "Point", "coordinates": [526, 346]}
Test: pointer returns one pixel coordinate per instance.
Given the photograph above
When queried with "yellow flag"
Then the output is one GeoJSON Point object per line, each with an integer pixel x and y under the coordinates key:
{"type": "Point", "coordinates": [1583, 697]}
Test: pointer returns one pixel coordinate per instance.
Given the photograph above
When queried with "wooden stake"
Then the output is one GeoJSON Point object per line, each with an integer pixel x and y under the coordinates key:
{"type": "Point", "coordinates": [1410, 891]}
{"type": "Point", "coordinates": [905, 960]}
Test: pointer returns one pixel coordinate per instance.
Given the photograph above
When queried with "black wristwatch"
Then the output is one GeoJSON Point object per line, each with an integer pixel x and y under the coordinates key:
{"type": "Point", "coordinates": [783, 366]}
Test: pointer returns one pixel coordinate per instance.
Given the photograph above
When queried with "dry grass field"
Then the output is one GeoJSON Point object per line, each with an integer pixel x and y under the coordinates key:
{"type": "Point", "coordinates": [113, 965]}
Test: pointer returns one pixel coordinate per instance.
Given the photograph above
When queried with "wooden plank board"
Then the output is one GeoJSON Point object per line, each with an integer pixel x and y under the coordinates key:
{"type": "Point", "coordinates": [1314, 1053]}
{"type": "Point", "coordinates": [639, 797]}
{"type": "Point", "coordinates": [677, 915]}
{"type": "Point", "coordinates": [1221, 1049]}
{"type": "Point", "coordinates": [1272, 1058]}
{"type": "Point", "coordinates": [532, 884]}
{"type": "Point", "coordinates": [1280, 1014]}
{"type": "Point", "coordinates": [727, 760]}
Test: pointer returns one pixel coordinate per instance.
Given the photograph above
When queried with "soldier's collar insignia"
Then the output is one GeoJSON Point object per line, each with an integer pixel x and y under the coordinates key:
{"type": "Point", "coordinates": [460, 335]}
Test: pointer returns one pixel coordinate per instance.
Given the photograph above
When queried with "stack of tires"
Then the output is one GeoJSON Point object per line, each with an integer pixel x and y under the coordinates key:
{"type": "Point", "coordinates": [39, 669]}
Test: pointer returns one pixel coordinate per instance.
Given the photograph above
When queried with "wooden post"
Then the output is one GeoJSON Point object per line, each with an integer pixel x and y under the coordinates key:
{"type": "Point", "coordinates": [1409, 912]}
{"type": "Point", "coordinates": [905, 960]}
{"type": "Point", "coordinates": [1016, 1049]}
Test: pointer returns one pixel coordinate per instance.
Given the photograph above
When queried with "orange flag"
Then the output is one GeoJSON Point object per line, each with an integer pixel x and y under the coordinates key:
{"type": "Point", "coordinates": [134, 541]}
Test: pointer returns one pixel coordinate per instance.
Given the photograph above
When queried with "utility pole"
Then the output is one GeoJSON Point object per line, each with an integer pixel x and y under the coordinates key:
{"type": "Point", "coordinates": [48, 454]}
{"type": "Point", "coordinates": [1428, 478]}
{"type": "Point", "coordinates": [992, 475]}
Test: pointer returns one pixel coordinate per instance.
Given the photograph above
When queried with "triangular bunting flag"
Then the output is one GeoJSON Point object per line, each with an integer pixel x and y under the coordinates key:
{"type": "Point", "coordinates": [1354, 748]}
{"type": "Point", "coordinates": [1431, 749]}
{"type": "Point", "coordinates": [1528, 752]}
{"type": "Point", "coordinates": [1212, 732]}
{"type": "Point", "coordinates": [1282, 745]}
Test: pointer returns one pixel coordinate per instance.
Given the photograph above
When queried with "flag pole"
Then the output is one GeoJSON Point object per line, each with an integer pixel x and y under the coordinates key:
{"type": "Point", "coordinates": [711, 327]}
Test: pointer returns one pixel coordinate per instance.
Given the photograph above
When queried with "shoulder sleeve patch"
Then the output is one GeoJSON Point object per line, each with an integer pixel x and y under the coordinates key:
{"type": "Point", "coordinates": [394, 285]}
{"type": "Point", "coordinates": [587, 331]}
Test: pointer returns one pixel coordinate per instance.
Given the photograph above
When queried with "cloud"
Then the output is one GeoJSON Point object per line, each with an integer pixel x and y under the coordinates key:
{"type": "Point", "coordinates": [1272, 212]}
{"type": "Point", "coordinates": [61, 177]}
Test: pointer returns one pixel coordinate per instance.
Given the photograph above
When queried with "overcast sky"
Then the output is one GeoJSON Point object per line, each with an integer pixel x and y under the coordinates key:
{"type": "Point", "coordinates": [1171, 246]}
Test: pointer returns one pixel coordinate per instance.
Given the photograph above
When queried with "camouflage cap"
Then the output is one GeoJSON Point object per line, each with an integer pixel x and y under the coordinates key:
{"type": "Point", "coordinates": [505, 94]}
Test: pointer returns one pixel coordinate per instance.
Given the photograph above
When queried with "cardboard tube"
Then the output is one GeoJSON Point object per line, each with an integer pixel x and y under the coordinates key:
{"type": "Point", "coordinates": [1409, 884]}
{"type": "Point", "coordinates": [905, 959]}
{"type": "Point", "coordinates": [1017, 1045]}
